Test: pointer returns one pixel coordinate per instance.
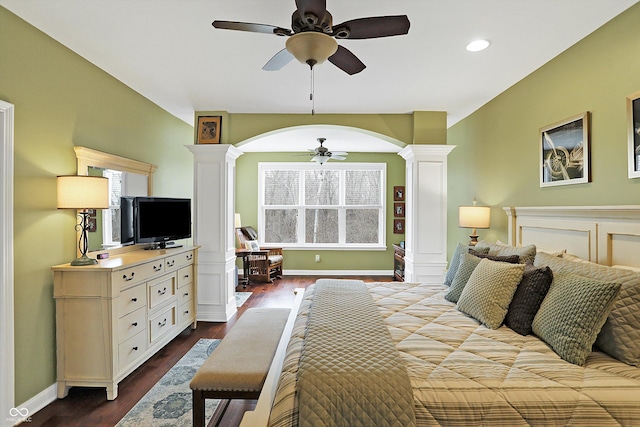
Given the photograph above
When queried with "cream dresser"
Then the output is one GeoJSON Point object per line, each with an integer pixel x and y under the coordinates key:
{"type": "Point", "coordinates": [113, 316]}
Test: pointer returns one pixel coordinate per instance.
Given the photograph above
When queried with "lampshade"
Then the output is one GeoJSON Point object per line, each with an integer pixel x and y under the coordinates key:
{"type": "Point", "coordinates": [311, 47]}
{"type": "Point", "coordinates": [83, 192]}
{"type": "Point", "coordinates": [238, 222]}
{"type": "Point", "coordinates": [474, 216]}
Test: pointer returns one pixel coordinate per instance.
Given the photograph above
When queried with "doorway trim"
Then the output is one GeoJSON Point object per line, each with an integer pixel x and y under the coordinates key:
{"type": "Point", "coordinates": [7, 358]}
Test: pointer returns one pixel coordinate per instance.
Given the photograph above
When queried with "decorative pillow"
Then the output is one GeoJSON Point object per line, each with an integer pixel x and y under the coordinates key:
{"type": "Point", "coordinates": [455, 262]}
{"type": "Point", "coordinates": [468, 263]}
{"type": "Point", "coordinates": [573, 313]}
{"type": "Point", "coordinates": [489, 291]}
{"type": "Point", "coordinates": [526, 253]}
{"type": "Point", "coordinates": [620, 335]}
{"type": "Point", "coordinates": [526, 301]}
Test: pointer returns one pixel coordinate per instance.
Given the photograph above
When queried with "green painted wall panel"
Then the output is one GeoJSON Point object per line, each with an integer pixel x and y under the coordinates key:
{"type": "Point", "coordinates": [61, 100]}
{"type": "Point", "coordinates": [497, 156]}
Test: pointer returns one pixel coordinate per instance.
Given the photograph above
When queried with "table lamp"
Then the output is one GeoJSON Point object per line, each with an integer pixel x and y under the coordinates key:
{"type": "Point", "coordinates": [82, 193]}
{"type": "Point", "coordinates": [474, 217]}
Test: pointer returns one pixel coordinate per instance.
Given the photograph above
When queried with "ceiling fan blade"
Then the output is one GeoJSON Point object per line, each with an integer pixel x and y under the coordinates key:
{"type": "Point", "coordinates": [339, 153]}
{"type": "Point", "coordinates": [346, 61]}
{"type": "Point", "coordinates": [315, 7]}
{"type": "Point", "coordinates": [373, 27]}
{"type": "Point", "coordinates": [338, 157]}
{"type": "Point", "coordinates": [253, 28]}
{"type": "Point", "coordinates": [278, 60]}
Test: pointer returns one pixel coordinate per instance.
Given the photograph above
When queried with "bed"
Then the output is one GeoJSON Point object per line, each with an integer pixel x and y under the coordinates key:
{"type": "Point", "coordinates": [462, 368]}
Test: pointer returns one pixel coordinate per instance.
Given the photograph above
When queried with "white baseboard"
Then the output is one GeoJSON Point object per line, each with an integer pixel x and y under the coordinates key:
{"type": "Point", "coordinates": [38, 402]}
{"type": "Point", "coordinates": [338, 273]}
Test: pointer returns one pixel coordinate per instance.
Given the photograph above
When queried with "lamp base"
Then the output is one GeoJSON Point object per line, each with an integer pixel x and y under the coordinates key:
{"type": "Point", "coordinates": [474, 240]}
{"type": "Point", "coordinates": [84, 260]}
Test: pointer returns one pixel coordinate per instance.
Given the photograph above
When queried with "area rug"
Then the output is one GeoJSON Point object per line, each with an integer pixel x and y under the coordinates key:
{"type": "Point", "coordinates": [169, 402]}
{"type": "Point", "coordinates": [241, 298]}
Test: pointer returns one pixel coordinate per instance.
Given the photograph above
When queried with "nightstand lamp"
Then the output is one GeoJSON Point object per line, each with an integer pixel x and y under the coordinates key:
{"type": "Point", "coordinates": [474, 217]}
{"type": "Point", "coordinates": [82, 193]}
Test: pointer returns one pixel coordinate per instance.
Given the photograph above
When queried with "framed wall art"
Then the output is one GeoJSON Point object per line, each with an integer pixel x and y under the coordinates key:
{"type": "Point", "coordinates": [398, 210]}
{"type": "Point", "coordinates": [398, 193]}
{"type": "Point", "coordinates": [633, 131]}
{"type": "Point", "coordinates": [398, 226]}
{"type": "Point", "coordinates": [564, 152]}
{"type": "Point", "coordinates": [209, 130]}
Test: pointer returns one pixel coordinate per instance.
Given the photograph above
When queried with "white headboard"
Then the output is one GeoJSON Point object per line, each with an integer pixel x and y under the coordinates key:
{"type": "Point", "coordinates": [607, 235]}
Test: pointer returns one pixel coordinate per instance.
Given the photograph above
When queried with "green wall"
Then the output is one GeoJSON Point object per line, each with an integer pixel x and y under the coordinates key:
{"type": "Point", "coordinates": [61, 100]}
{"type": "Point", "coordinates": [497, 154]}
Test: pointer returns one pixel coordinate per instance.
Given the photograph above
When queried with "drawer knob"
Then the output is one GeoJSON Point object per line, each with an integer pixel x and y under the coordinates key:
{"type": "Point", "coordinates": [134, 299]}
{"type": "Point", "coordinates": [163, 323]}
{"type": "Point", "coordinates": [157, 267]}
{"type": "Point", "coordinates": [134, 324]}
{"type": "Point", "coordinates": [135, 348]}
{"type": "Point", "coordinates": [170, 264]}
{"type": "Point", "coordinates": [189, 257]}
{"type": "Point", "coordinates": [186, 312]}
{"type": "Point", "coordinates": [186, 294]}
{"type": "Point", "coordinates": [186, 276]}
{"type": "Point", "coordinates": [162, 292]}
{"type": "Point", "coordinates": [127, 279]}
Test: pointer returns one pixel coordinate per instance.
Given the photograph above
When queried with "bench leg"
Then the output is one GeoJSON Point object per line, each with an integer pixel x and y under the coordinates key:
{"type": "Point", "coordinates": [219, 412]}
{"type": "Point", "coordinates": [198, 409]}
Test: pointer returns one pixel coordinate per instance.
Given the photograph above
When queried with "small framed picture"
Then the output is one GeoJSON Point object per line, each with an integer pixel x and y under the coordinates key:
{"type": "Point", "coordinates": [209, 130]}
{"type": "Point", "coordinates": [398, 210]}
{"type": "Point", "coordinates": [564, 152]}
{"type": "Point", "coordinates": [398, 193]}
{"type": "Point", "coordinates": [252, 245]}
{"type": "Point", "coordinates": [398, 226]}
{"type": "Point", "coordinates": [92, 224]}
{"type": "Point", "coordinates": [633, 131]}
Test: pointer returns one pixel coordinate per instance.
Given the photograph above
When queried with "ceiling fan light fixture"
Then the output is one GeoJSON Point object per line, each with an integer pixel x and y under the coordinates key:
{"type": "Point", "coordinates": [321, 160]}
{"type": "Point", "coordinates": [311, 47]}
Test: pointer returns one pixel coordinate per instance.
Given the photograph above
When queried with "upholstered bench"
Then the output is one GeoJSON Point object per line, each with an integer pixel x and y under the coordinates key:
{"type": "Point", "coordinates": [238, 367]}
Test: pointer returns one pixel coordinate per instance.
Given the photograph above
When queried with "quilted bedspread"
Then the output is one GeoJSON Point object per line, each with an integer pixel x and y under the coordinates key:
{"type": "Point", "coordinates": [464, 374]}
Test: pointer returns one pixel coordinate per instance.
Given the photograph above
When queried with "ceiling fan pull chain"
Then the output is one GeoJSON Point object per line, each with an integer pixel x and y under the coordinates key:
{"type": "Point", "coordinates": [311, 97]}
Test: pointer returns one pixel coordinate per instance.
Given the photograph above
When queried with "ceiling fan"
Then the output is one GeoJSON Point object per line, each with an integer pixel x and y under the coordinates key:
{"type": "Point", "coordinates": [322, 154]}
{"type": "Point", "coordinates": [312, 36]}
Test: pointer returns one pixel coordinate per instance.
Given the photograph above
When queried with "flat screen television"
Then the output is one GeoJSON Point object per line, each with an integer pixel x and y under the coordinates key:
{"type": "Point", "coordinates": [155, 220]}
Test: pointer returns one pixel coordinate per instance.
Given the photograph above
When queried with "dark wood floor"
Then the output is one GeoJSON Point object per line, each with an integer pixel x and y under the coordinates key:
{"type": "Point", "coordinates": [90, 407]}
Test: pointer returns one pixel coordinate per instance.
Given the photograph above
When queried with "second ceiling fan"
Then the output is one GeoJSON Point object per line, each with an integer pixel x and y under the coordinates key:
{"type": "Point", "coordinates": [312, 37]}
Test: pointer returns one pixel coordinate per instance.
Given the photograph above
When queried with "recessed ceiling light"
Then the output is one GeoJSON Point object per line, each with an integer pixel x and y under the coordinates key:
{"type": "Point", "coordinates": [478, 45]}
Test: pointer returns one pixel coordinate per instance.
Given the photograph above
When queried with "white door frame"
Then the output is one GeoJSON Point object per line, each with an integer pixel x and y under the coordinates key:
{"type": "Point", "coordinates": [7, 362]}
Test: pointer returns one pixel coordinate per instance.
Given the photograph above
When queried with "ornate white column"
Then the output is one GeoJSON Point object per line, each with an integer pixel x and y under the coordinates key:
{"type": "Point", "coordinates": [425, 212]}
{"type": "Point", "coordinates": [214, 203]}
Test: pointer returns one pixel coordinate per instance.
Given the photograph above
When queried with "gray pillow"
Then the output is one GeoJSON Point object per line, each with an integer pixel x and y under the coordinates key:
{"type": "Point", "coordinates": [455, 262]}
{"type": "Point", "coordinates": [489, 291]}
{"type": "Point", "coordinates": [573, 313]}
{"type": "Point", "coordinates": [620, 335]}
{"type": "Point", "coordinates": [526, 253]}
{"type": "Point", "coordinates": [526, 301]}
{"type": "Point", "coordinates": [468, 263]}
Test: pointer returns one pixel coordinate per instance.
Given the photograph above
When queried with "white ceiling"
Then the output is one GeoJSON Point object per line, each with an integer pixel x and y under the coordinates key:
{"type": "Point", "coordinates": [168, 51]}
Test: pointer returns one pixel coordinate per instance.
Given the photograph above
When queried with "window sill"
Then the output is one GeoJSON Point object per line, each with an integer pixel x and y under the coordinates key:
{"type": "Point", "coordinates": [325, 247]}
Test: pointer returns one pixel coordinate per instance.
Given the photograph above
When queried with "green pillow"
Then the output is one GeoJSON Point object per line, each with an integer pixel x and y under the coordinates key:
{"type": "Point", "coordinates": [572, 314]}
{"type": "Point", "coordinates": [455, 261]}
{"type": "Point", "coordinates": [489, 291]}
{"type": "Point", "coordinates": [526, 253]}
{"type": "Point", "coordinates": [468, 263]}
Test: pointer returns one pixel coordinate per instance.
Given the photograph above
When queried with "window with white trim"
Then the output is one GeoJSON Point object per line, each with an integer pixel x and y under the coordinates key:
{"type": "Point", "coordinates": [331, 206]}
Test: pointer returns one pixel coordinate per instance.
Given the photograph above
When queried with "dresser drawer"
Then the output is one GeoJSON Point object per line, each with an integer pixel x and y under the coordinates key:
{"type": "Point", "coordinates": [180, 260]}
{"type": "Point", "coordinates": [138, 273]}
{"type": "Point", "coordinates": [186, 313]}
{"type": "Point", "coordinates": [185, 276]}
{"type": "Point", "coordinates": [161, 290]}
{"type": "Point", "coordinates": [162, 323]}
{"type": "Point", "coordinates": [185, 294]}
{"type": "Point", "coordinates": [131, 324]}
{"type": "Point", "coordinates": [131, 349]}
{"type": "Point", "coordinates": [132, 299]}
